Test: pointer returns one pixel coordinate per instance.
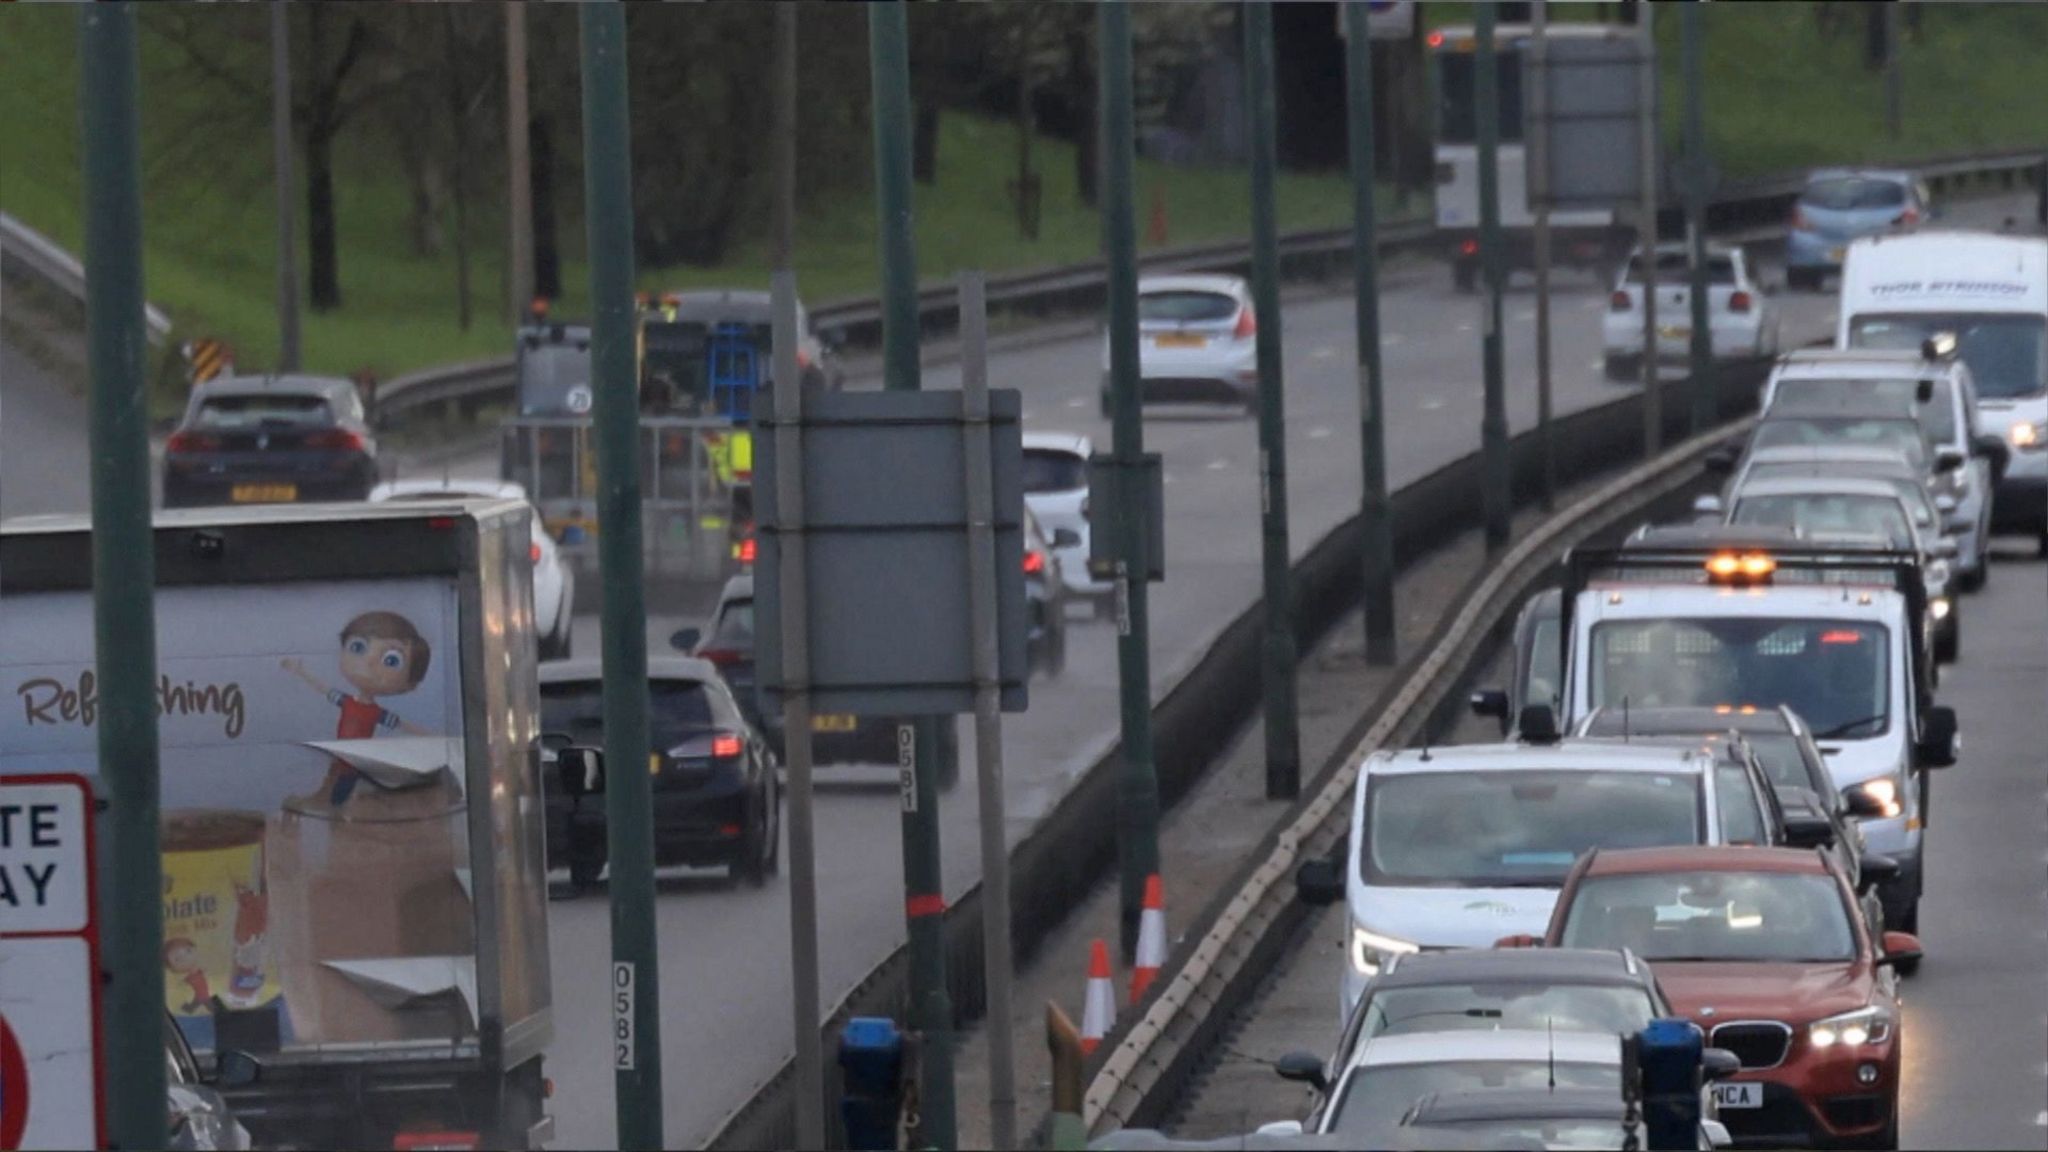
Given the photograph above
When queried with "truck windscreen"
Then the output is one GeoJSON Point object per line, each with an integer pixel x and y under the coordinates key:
{"type": "Point", "coordinates": [1834, 673]}
{"type": "Point", "coordinates": [2007, 353]}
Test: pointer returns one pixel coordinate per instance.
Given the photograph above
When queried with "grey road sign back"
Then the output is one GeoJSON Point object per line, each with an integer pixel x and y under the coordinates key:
{"type": "Point", "coordinates": [1591, 101]}
{"type": "Point", "coordinates": [886, 544]}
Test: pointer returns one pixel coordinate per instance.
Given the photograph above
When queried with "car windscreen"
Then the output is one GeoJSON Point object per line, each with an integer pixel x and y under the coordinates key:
{"type": "Point", "coordinates": [1834, 673]}
{"type": "Point", "coordinates": [1674, 267]}
{"type": "Point", "coordinates": [1376, 1096]}
{"type": "Point", "coordinates": [1520, 828]}
{"type": "Point", "coordinates": [277, 410]}
{"type": "Point", "coordinates": [1848, 193]}
{"type": "Point", "coordinates": [1179, 306]}
{"type": "Point", "coordinates": [1485, 1007]}
{"type": "Point", "coordinates": [1831, 513]}
{"type": "Point", "coordinates": [1050, 470]}
{"type": "Point", "coordinates": [1902, 436]}
{"type": "Point", "coordinates": [1756, 916]}
{"type": "Point", "coordinates": [1910, 490]}
{"type": "Point", "coordinates": [1937, 415]}
{"type": "Point", "coordinates": [2007, 352]}
{"type": "Point", "coordinates": [734, 629]}
{"type": "Point", "coordinates": [676, 710]}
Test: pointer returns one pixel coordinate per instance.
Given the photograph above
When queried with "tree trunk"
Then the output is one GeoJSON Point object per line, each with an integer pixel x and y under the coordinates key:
{"type": "Point", "coordinates": [458, 132]}
{"type": "Point", "coordinates": [323, 260]}
{"type": "Point", "coordinates": [424, 221]}
{"type": "Point", "coordinates": [1875, 51]}
{"type": "Point", "coordinates": [1087, 117]}
{"type": "Point", "coordinates": [547, 257]}
{"type": "Point", "coordinates": [924, 148]}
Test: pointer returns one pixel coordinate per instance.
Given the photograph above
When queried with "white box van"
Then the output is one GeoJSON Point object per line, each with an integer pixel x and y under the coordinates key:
{"type": "Point", "coordinates": [1990, 291]}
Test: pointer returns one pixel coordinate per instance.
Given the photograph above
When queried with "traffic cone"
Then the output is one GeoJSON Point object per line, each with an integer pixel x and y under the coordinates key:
{"type": "Point", "coordinates": [1098, 1014]}
{"type": "Point", "coordinates": [1151, 938]}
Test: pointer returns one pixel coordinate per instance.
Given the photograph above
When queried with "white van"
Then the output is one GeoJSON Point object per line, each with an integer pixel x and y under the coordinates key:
{"type": "Point", "coordinates": [1990, 291]}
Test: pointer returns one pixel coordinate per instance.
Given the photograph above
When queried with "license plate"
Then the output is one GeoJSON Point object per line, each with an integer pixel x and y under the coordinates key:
{"type": "Point", "coordinates": [1180, 340]}
{"type": "Point", "coordinates": [834, 723]}
{"type": "Point", "coordinates": [264, 493]}
{"type": "Point", "coordinates": [1672, 332]}
{"type": "Point", "coordinates": [1744, 1095]}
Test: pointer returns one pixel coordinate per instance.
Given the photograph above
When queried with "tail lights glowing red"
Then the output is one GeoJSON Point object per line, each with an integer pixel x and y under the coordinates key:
{"type": "Point", "coordinates": [1620, 302]}
{"type": "Point", "coordinates": [1909, 217]}
{"type": "Point", "coordinates": [1841, 637]}
{"type": "Point", "coordinates": [337, 439]}
{"type": "Point", "coordinates": [1468, 248]}
{"type": "Point", "coordinates": [533, 551]}
{"type": "Point", "coordinates": [722, 657]}
{"type": "Point", "coordinates": [1740, 303]}
{"type": "Point", "coordinates": [725, 747]}
{"type": "Point", "coordinates": [181, 442]}
{"type": "Point", "coordinates": [1034, 563]}
{"type": "Point", "coordinates": [1247, 325]}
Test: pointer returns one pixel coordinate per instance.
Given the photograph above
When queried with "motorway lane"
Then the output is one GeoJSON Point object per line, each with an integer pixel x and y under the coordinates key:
{"type": "Point", "coordinates": [725, 952]}
{"type": "Point", "coordinates": [42, 440]}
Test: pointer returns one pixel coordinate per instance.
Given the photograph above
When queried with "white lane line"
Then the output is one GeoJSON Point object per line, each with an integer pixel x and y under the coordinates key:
{"type": "Point", "coordinates": [1431, 405]}
{"type": "Point", "coordinates": [1319, 433]}
{"type": "Point", "coordinates": [1465, 327]}
{"type": "Point", "coordinates": [1525, 316]}
{"type": "Point", "coordinates": [1078, 402]}
{"type": "Point", "coordinates": [1596, 364]}
{"type": "Point", "coordinates": [1326, 352]}
{"type": "Point", "coordinates": [1218, 465]}
{"type": "Point", "coordinates": [2041, 1121]}
{"type": "Point", "coordinates": [1389, 339]}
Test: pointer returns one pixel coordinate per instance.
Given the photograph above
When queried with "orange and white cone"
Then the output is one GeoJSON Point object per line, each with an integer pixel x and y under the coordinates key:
{"type": "Point", "coordinates": [1098, 1014]}
{"type": "Point", "coordinates": [1151, 938]}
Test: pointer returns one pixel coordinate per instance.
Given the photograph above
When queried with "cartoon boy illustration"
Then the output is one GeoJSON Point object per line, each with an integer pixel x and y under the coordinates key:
{"type": "Point", "coordinates": [252, 924]}
{"type": "Point", "coordinates": [181, 957]}
{"type": "Point", "coordinates": [382, 655]}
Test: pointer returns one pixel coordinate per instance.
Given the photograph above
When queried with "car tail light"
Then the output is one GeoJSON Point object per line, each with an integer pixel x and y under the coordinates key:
{"type": "Point", "coordinates": [1739, 303]}
{"type": "Point", "coordinates": [1468, 248]}
{"type": "Point", "coordinates": [725, 746]}
{"type": "Point", "coordinates": [1620, 302]}
{"type": "Point", "coordinates": [533, 550]}
{"type": "Point", "coordinates": [722, 657]}
{"type": "Point", "coordinates": [803, 358]}
{"type": "Point", "coordinates": [1034, 563]}
{"type": "Point", "coordinates": [1247, 325]}
{"type": "Point", "coordinates": [1910, 216]}
{"type": "Point", "coordinates": [339, 439]}
{"type": "Point", "coordinates": [192, 442]}
{"type": "Point", "coordinates": [744, 551]}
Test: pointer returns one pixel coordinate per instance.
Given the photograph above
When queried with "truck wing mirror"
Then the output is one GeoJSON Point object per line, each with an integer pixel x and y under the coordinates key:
{"type": "Point", "coordinates": [1492, 702]}
{"type": "Point", "coordinates": [580, 771]}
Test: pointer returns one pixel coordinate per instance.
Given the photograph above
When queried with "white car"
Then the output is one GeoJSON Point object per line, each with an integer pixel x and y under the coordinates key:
{"type": "Point", "coordinates": [1743, 320]}
{"type": "Point", "coordinates": [1197, 343]}
{"type": "Point", "coordinates": [1459, 847]}
{"type": "Point", "coordinates": [554, 583]}
{"type": "Point", "coordinates": [1056, 491]}
{"type": "Point", "coordinates": [1384, 1079]}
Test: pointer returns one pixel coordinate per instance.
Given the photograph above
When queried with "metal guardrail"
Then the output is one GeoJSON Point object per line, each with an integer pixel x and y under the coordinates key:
{"type": "Point", "coordinates": [1742, 208]}
{"type": "Point", "coordinates": [43, 259]}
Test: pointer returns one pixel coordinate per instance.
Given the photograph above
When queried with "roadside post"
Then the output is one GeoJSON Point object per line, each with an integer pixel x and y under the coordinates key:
{"type": "Point", "coordinates": [1496, 496]}
{"type": "Point", "coordinates": [124, 578]}
{"type": "Point", "coordinates": [1646, 232]}
{"type": "Point", "coordinates": [997, 954]}
{"type": "Point", "coordinates": [923, 880]}
{"type": "Point", "coordinates": [1537, 135]}
{"type": "Point", "coordinates": [1138, 784]}
{"type": "Point", "coordinates": [1283, 737]}
{"type": "Point", "coordinates": [796, 724]}
{"type": "Point", "coordinates": [635, 977]}
{"type": "Point", "coordinates": [1697, 174]}
{"type": "Point", "coordinates": [1376, 543]}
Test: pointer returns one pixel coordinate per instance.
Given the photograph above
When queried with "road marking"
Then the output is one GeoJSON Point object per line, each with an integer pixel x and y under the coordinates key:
{"type": "Point", "coordinates": [1024, 415]}
{"type": "Point", "coordinates": [2041, 1121]}
{"type": "Point", "coordinates": [1464, 327]}
{"type": "Point", "coordinates": [1166, 478]}
{"type": "Point", "coordinates": [1596, 364]}
{"type": "Point", "coordinates": [1218, 465]}
{"type": "Point", "coordinates": [1326, 352]}
{"type": "Point", "coordinates": [1078, 402]}
{"type": "Point", "coordinates": [1389, 339]}
{"type": "Point", "coordinates": [1319, 433]}
{"type": "Point", "coordinates": [1525, 316]}
{"type": "Point", "coordinates": [1431, 405]}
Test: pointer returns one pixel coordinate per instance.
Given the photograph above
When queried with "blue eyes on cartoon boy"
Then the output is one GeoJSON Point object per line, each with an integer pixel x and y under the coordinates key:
{"type": "Point", "coordinates": [357, 645]}
{"type": "Point", "coordinates": [393, 659]}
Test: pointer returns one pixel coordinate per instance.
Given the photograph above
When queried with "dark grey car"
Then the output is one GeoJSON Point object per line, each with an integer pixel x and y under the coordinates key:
{"type": "Point", "coordinates": [270, 440]}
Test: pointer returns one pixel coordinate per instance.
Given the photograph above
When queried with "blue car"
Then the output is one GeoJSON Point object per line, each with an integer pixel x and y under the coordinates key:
{"type": "Point", "coordinates": [1837, 206]}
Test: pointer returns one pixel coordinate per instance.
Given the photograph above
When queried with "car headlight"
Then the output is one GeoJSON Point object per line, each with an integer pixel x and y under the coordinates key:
{"type": "Point", "coordinates": [2029, 436]}
{"type": "Point", "coordinates": [1370, 950]}
{"type": "Point", "coordinates": [1885, 790]}
{"type": "Point", "coordinates": [1871, 1025]}
{"type": "Point", "coordinates": [1939, 607]}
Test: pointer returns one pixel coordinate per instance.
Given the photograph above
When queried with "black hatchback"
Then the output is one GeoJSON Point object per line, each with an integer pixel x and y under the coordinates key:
{"type": "Point", "coordinates": [270, 440]}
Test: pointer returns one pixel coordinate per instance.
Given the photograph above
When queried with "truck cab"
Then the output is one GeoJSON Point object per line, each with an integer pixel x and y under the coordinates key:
{"type": "Point", "coordinates": [1720, 617]}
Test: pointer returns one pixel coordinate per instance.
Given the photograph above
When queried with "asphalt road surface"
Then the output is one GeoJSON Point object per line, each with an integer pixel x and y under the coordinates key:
{"type": "Point", "coordinates": [724, 968]}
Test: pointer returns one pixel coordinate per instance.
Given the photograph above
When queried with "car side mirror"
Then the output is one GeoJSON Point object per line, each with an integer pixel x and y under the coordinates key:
{"type": "Point", "coordinates": [1492, 702]}
{"type": "Point", "coordinates": [1864, 806]}
{"type": "Point", "coordinates": [1877, 869]}
{"type": "Point", "coordinates": [580, 772]}
{"type": "Point", "coordinates": [1924, 392]}
{"type": "Point", "coordinates": [1319, 882]}
{"type": "Point", "coordinates": [1519, 940]}
{"type": "Point", "coordinates": [1303, 1068]}
{"type": "Point", "coordinates": [686, 639]}
{"type": "Point", "coordinates": [1707, 505]}
{"type": "Point", "coordinates": [1065, 538]}
{"type": "Point", "coordinates": [234, 1068]}
{"type": "Point", "coordinates": [1939, 739]}
{"type": "Point", "coordinates": [1719, 1063]}
{"type": "Point", "coordinates": [1949, 459]}
{"type": "Point", "coordinates": [1900, 948]}
{"type": "Point", "coordinates": [1809, 830]}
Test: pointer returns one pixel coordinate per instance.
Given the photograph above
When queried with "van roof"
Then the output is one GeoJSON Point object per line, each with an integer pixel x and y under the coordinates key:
{"type": "Point", "coordinates": [1567, 755]}
{"type": "Point", "coordinates": [1945, 270]}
